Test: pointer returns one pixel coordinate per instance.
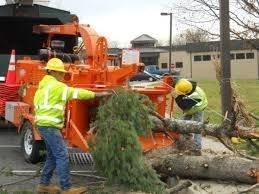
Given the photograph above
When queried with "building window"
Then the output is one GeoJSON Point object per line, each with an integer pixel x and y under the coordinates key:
{"type": "Point", "coordinates": [250, 55]}
{"type": "Point", "coordinates": [240, 56]}
{"type": "Point", "coordinates": [179, 64]}
{"type": "Point", "coordinates": [149, 60]}
{"type": "Point", "coordinates": [232, 56]}
{"type": "Point", "coordinates": [197, 58]}
{"type": "Point", "coordinates": [206, 57]}
{"type": "Point", "coordinates": [164, 65]}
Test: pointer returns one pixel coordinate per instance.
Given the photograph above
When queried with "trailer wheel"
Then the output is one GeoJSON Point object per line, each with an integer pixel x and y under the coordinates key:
{"type": "Point", "coordinates": [31, 148]}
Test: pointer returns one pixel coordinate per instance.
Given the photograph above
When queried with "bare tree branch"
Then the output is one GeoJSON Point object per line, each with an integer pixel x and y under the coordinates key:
{"type": "Point", "coordinates": [244, 16]}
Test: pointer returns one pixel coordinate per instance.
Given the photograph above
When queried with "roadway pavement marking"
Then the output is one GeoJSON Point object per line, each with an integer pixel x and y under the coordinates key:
{"type": "Point", "coordinates": [10, 146]}
{"type": "Point", "coordinates": [18, 146]}
{"type": "Point", "coordinates": [22, 172]}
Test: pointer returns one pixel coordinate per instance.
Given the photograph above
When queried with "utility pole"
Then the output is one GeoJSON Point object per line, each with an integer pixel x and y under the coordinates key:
{"type": "Point", "coordinates": [170, 46]}
{"type": "Point", "coordinates": [226, 92]}
{"type": "Point", "coordinates": [170, 40]}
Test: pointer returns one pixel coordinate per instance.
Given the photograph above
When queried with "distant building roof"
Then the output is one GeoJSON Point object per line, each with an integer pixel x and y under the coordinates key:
{"type": "Point", "coordinates": [152, 50]}
{"type": "Point", "coordinates": [174, 48]}
{"type": "Point", "coordinates": [114, 51]}
{"type": "Point", "coordinates": [215, 46]}
{"type": "Point", "coordinates": [143, 38]}
{"type": "Point", "coordinates": [197, 47]}
{"type": "Point", "coordinates": [117, 51]}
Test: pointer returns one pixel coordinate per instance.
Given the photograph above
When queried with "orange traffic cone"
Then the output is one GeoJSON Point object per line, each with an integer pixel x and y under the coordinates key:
{"type": "Point", "coordinates": [11, 77]}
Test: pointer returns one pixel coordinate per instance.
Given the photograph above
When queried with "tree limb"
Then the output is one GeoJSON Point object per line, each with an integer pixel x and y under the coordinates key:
{"type": "Point", "coordinates": [179, 187]}
{"type": "Point", "coordinates": [254, 116]}
{"type": "Point", "coordinates": [250, 188]}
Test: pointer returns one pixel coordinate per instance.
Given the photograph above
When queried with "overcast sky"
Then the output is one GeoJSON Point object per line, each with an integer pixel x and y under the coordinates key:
{"type": "Point", "coordinates": [121, 20]}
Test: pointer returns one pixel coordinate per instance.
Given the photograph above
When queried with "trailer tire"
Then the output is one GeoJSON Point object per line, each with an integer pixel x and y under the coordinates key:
{"type": "Point", "coordinates": [31, 148]}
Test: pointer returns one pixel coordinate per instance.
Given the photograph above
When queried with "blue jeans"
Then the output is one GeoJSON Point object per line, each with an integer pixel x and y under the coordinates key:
{"type": "Point", "coordinates": [57, 157]}
{"type": "Point", "coordinates": [198, 116]}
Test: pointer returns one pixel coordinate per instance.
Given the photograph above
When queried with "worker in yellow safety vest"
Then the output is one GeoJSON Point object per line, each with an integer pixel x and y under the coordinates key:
{"type": "Point", "coordinates": [192, 100]}
{"type": "Point", "coordinates": [49, 102]}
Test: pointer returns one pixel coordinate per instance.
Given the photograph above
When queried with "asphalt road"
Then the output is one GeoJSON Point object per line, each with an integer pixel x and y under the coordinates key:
{"type": "Point", "coordinates": [14, 168]}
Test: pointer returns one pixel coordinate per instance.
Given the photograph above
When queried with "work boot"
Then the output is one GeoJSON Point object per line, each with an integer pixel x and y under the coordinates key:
{"type": "Point", "coordinates": [75, 190]}
{"type": "Point", "coordinates": [50, 189]}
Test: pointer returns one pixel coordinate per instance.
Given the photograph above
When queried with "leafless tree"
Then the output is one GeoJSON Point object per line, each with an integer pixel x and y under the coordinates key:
{"type": "Point", "coordinates": [191, 36]}
{"type": "Point", "coordinates": [113, 44]}
{"type": "Point", "coordinates": [162, 43]}
{"type": "Point", "coordinates": [204, 15]}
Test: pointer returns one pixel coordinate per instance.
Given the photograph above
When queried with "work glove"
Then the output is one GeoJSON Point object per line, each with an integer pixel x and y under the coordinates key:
{"type": "Point", "coordinates": [237, 140]}
{"type": "Point", "coordinates": [103, 94]}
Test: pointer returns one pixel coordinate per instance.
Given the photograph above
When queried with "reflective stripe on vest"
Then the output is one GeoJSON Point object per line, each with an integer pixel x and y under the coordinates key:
{"type": "Point", "coordinates": [64, 94]}
{"type": "Point", "coordinates": [56, 106]}
{"type": "Point", "coordinates": [46, 105]}
{"type": "Point", "coordinates": [75, 94]}
{"type": "Point", "coordinates": [46, 95]}
{"type": "Point", "coordinates": [48, 118]}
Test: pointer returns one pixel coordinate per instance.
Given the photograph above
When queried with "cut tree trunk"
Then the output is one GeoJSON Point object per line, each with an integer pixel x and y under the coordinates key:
{"type": "Point", "coordinates": [186, 127]}
{"type": "Point", "coordinates": [205, 167]}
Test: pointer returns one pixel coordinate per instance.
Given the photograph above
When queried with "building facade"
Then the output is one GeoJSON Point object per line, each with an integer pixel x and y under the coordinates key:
{"type": "Point", "coordinates": [146, 45]}
{"type": "Point", "coordinates": [197, 60]}
{"type": "Point", "coordinates": [149, 52]}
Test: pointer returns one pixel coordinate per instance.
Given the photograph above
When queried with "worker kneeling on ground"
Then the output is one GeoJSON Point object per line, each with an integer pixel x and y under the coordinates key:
{"type": "Point", "coordinates": [192, 100]}
{"type": "Point", "coordinates": [50, 101]}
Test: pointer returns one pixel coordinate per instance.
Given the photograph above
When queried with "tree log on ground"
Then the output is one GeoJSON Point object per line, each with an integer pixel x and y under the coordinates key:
{"type": "Point", "coordinates": [204, 167]}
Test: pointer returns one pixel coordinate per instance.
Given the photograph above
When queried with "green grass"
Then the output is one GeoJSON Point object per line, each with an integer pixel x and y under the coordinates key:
{"type": "Point", "coordinates": [247, 89]}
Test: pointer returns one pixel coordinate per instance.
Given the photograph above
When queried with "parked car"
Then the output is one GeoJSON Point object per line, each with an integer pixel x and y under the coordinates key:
{"type": "Point", "coordinates": [153, 69]}
{"type": "Point", "coordinates": [142, 76]}
{"type": "Point", "coordinates": [153, 73]}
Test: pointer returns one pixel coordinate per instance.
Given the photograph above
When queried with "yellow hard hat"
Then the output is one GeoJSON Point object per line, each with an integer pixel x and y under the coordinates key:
{"type": "Point", "coordinates": [55, 64]}
{"type": "Point", "coordinates": [183, 86]}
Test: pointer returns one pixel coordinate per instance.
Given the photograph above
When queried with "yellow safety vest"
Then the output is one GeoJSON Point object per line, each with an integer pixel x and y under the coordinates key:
{"type": "Point", "coordinates": [50, 101]}
{"type": "Point", "coordinates": [201, 105]}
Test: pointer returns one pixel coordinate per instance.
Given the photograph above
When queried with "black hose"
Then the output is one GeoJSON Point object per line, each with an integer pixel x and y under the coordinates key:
{"type": "Point", "coordinates": [46, 54]}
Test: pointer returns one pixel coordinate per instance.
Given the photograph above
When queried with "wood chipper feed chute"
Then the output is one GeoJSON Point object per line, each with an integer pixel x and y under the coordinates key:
{"type": "Point", "coordinates": [93, 73]}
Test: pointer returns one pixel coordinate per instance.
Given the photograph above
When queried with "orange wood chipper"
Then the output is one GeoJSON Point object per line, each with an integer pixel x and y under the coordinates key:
{"type": "Point", "coordinates": [91, 72]}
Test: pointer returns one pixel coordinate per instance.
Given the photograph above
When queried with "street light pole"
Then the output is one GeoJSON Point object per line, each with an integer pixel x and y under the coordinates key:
{"type": "Point", "coordinates": [170, 40]}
